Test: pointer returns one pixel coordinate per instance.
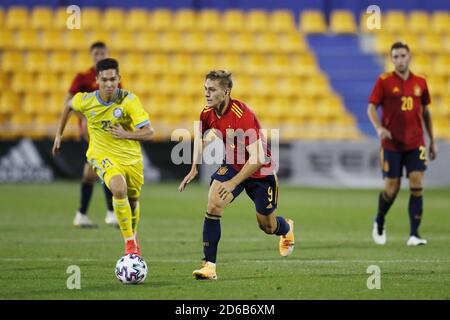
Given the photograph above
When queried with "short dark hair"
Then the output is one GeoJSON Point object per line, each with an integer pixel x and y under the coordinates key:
{"type": "Point", "coordinates": [224, 77]}
{"type": "Point", "coordinates": [105, 64]}
{"type": "Point", "coordinates": [98, 44]}
{"type": "Point", "coordinates": [399, 45]}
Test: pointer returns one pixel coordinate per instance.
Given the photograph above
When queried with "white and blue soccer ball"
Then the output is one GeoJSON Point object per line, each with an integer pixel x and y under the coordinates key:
{"type": "Point", "coordinates": [131, 269]}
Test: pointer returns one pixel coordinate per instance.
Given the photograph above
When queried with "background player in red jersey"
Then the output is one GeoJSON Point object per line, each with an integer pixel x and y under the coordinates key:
{"type": "Point", "coordinates": [404, 99]}
{"type": "Point", "coordinates": [86, 82]}
{"type": "Point", "coordinates": [229, 119]}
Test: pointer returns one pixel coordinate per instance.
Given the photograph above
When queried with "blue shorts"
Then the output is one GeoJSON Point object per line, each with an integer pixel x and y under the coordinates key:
{"type": "Point", "coordinates": [392, 162]}
{"type": "Point", "coordinates": [262, 191]}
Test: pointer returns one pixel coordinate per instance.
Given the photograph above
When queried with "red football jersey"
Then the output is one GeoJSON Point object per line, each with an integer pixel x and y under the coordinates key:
{"type": "Point", "coordinates": [84, 82]}
{"type": "Point", "coordinates": [401, 102]}
{"type": "Point", "coordinates": [237, 116]}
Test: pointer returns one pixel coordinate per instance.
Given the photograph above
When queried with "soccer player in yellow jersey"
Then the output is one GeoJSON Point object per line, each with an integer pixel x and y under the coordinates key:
{"type": "Point", "coordinates": [116, 124]}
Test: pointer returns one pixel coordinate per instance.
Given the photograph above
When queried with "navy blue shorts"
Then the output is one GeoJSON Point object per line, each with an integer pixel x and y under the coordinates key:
{"type": "Point", "coordinates": [392, 162]}
{"type": "Point", "coordinates": [262, 191]}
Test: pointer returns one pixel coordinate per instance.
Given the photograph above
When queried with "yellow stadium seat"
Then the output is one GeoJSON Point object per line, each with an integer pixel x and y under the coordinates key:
{"type": "Point", "coordinates": [122, 41]}
{"type": "Point", "coordinates": [383, 42]}
{"type": "Point", "coordinates": [219, 41]}
{"type": "Point", "coordinates": [440, 22]}
{"type": "Point", "coordinates": [51, 40]}
{"type": "Point", "coordinates": [264, 85]}
{"type": "Point", "coordinates": [82, 62]}
{"type": "Point", "coordinates": [181, 63]}
{"type": "Point", "coordinates": [255, 64]}
{"type": "Point", "coordinates": [60, 17]}
{"type": "Point", "coordinates": [184, 20]}
{"type": "Point", "coordinates": [157, 63]}
{"type": "Point", "coordinates": [394, 21]}
{"type": "Point", "coordinates": [433, 43]}
{"type": "Point", "coordinates": [60, 61]}
{"type": "Point", "coordinates": [181, 105]}
{"type": "Point", "coordinates": [113, 19]}
{"type": "Point", "coordinates": [47, 82]}
{"type": "Point", "coordinates": [21, 125]}
{"type": "Point", "coordinates": [12, 61]}
{"type": "Point", "coordinates": [231, 62]}
{"type": "Point", "coordinates": [66, 80]}
{"type": "Point", "coordinates": [132, 63]}
{"type": "Point", "coordinates": [312, 21]}
{"type": "Point", "coordinates": [142, 83]}
{"type": "Point", "coordinates": [36, 61]}
{"type": "Point", "coordinates": [171, 41]}
{"type": "Point", "coordinates": [441, 65]}
{"type": "Point", "coordinates": [55, 103]}
{"type": "Point", "coordinates": [17, 18]}
{"type": "Point", "coordinates": [168, 83]}
{"type": "Point", "coordinates": [292, 42]}
{"type": "Point", "coordinates": [342, 21]}
{"type": "Point", "coordinates": [91, 19]}
{"type": "Point", "coordinates": [21, 82]}
{"type": "Point", "coordinates": [46, 125]}
{"type": "Point", "coordinates": [421, 64]}
{"type": "Point", "coordinates": [205, 62]}
{"type": "Point", "coordinates": [41, 18]}
{"type": "Point", "coordinates": [289, 85]}
{"type": "Point", "coordinates": [411, 39]}
{"type": "Point", "coordinates": [233, 20]}
{"type": "Point", "coordinates": [242, 85]}
{"type": "Point", "coordinates": [278, 65]}
{"type": "Point", "coordinates": [137, 20]}
{"type": "Point", "coordinates": [2, 17]}
{"type": "Point", "coordinates": [281, 21]}
{"type": "Point", "coordinates": [266, 42]}
{"type": "Point", "coordinates": [33, 103]}
{"type": "Point", "coordinates": [147, 41]}
{"type": "Point", "coordinates": [161, 20]}
{"type": "Point", "coordinates": [303, 64]}
{"type": "Point", "coordinates": [193, 84]}
{"type": "Point", "coordinates": [317, 85]}
{"type": "Point", "coordinates": [242, 42]}
{"type": "Point", "coordinates": [7, 39]}
{"type": "Point", "coordinates": [76, 40]}
{"type": "Point", "coordinates": [9, 102]}
{"type": "Point", "coordinates": [438, 85]}
{"type": "Point", "coordinates": [97, 35]}
{"type": "Point", "coordinates": [27, 40]}
{"type": "Point", "coordinates": [418, 22]}
{"type": "Point", "coordinates": [257, 20]}
{"type": "Point", "coordinates": [194, 41]}
{"type": "Point", "coordinates": [208, 20]}
{"type": "Point", "coordinates": [4, 81]}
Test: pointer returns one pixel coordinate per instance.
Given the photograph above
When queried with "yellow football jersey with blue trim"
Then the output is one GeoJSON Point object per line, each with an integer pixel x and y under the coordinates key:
{"type": "Point", "coordinates": [126, 110]}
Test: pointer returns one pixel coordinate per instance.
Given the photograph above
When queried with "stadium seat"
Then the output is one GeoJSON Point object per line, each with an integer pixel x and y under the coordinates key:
{"type": "Point", "coordinates": [27, 40]}
{"type": "Point", "coordinates": [421, 64]}
{"type": "Point", "coordinates": [205, 62]}
{"type": "Point", "coordinates": [59, 19]}
{"type": "Point", "coordinates": [438, 85]}
{"type": "Point", "coordinates": [266, 42]}
{"type": "Point", "coordinates": [82, 62]}
{"type": "Point", "coordinates": [440, 22]}
{"type": "Point", "coordinates": [233, 20]}
{"type": "Point", "coordinates": [113, 19]}
{"type": "Point", "coordinates": [21, 125]}
{"type": "Point", "coordinates": [219, 41]}
{"type": "Point", "coordinates": [312, 21]}
{"type": "Point", "coordinates": [242, 42]}
{"type": "Point", "coordinates": [171, 42]}
{"type": "Point", "coordinates": [441, 65]}
{"type": "Point", "coordinates": [17, 18]}
{"type": "Point", "coordinates": [303, 64]}
{"type": "Point", "coordinates": [51, 40]}
{"type": "Point", "coordinates": [168, 83]}
{"type": "Point", "coordinates": [194, 41]}
{"type": "Point", "coordinates": [278, 64]}
{"type": "Point", "coordinates": [281, 21]}
{"type": "Point", "coordinates": [12, 61]}
{"type": "Point", "coordinates": [21, 82]}
{"type": "Point", "coordinates": [181, 63]}
{"type": "Point", "coordinates": [418, 22]}
{"type": "Point", "coordinates": [147, 41]}
{"type": "Point", "coordinates": [257, 20]}
{"type": "Point", "coordinates": [55, 103]}
{"type": "Point", "coordinates": [36, 61]}
{"type": "Point", "coordinates": [9, 102]}
{"type": "Point", "coordinates": [132, 62]}
{"type": "Point", "coordinates": [433, 43]}
{"type": "Point", "coordinates": [411, 39]}
{"type": "Point", "coordinates": [342, 21]}
{"type": "Point", "coordinates": [289, 85]}
{"type": "Point", "coordinates": [157, 63]}
{"type": "Point", "coordinates": [184, 20]}
{"type": "Point", "coordinates": [76, 40]}
{"type": "Point", "coordinates": [137, 20]}
{"type": "Point", "coordinates": [231, 62]}
{"type": "Point", "coordinates": [91, 19]}
{"type": "Point", "coordinates": [33, 103]}
{"type": "Point", "coordinates": [255, 64]}
{"type": "Point", "coordinates": [122, 41]}
{"type": "Point", "coordinates": [2, 17]}
{"type": "Point", "coordinates": [41, 18]}
{"type": "Point", "coordinates": [394, 21]}
{"type": "Point", "coordinates": [292, 42]}
{"type": "Point", "coordinates": [4, 80]}
{"type": "Point", "coordinates": [160, 20]}
{"type": "Point", "coordinates": [383, 42]}
{"type": "Point", "coordinates": [317, 85]}
{"type": "Point", "coordinates": [66, 79]}
{"type": "Point", "coordinates": [208, 20]}
{"type": "Point", "coordinates": [45, 125]}
{"type": "Point", "coordinates": [46, 82]}
{"type": "Point", "coordinates": [61, 61]}
{"type": "Point", "coordinates": [7, 39]}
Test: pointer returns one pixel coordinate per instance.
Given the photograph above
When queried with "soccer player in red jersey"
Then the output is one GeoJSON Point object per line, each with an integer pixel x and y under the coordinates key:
{"type": "Point", "coordinates": [86, 82]}
{"type": "Point", "coordinates": [404, 99]}
{"type": "Point", "coordinates": [247, 165]}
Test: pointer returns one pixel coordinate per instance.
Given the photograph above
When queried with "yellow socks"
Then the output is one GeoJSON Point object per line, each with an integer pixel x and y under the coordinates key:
{"type": "Point", "coordinates": [135, 215]}
{"type": "Point", "coordinates": [122, 210]}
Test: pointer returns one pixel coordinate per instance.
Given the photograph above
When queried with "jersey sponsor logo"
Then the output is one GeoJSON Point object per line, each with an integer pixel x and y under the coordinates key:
{"type": "Point", "coordinates": [118, 113]}
{"type": "Point", "coordinates": [417, 90]}
{"type": "Point", "coordinates": [222, 170]}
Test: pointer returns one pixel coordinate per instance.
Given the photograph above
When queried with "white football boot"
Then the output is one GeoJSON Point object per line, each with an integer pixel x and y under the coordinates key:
{"type": "Point", "coordinates": [83, 221]}
{"type": "Point", "coordinates": [111, 219]}
{"type": "Point", "coordinates": [416, 241]}
{"type": "Point", "coordinates": [377, 238]}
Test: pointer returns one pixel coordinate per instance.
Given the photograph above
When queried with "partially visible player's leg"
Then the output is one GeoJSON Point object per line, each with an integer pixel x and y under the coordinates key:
{"type": "Point", "coordinates": [87, 186]}
{"type": "Point", "coordinates": [135, 180]}
{"type": "Point", "coordinates": [110, 217]}
{"type": "Point", "coordinates": [415, 163]}
{"type": "Point", "coordinates": [391, 163]}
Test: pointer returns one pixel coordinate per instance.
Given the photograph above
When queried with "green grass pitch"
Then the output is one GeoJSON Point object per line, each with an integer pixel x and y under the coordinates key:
{"type": "Point", "coordinates": [333, 246]}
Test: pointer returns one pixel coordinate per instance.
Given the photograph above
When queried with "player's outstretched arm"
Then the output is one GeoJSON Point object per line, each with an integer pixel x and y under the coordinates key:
{"type": "Point", "coordinates": [61, 126]}
{"type": "Point", "coordinates": [382, 132]}
{"type": "Point", "coordinates": [429, 127]}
